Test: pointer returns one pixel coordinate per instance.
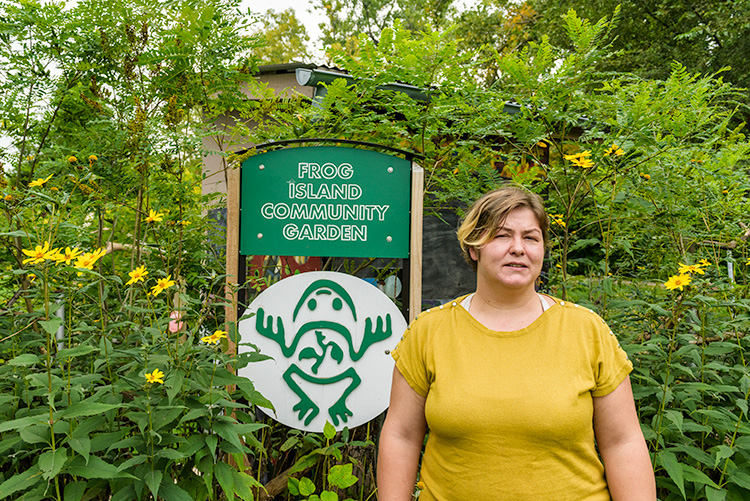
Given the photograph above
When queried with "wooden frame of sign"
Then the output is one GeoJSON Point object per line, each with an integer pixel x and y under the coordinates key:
{"type": "Point", "coordinates": [412, 266]}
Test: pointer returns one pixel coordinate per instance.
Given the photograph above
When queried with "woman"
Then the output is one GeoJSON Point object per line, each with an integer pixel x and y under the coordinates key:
{"type": "Point", "coordinates": [514, 386]}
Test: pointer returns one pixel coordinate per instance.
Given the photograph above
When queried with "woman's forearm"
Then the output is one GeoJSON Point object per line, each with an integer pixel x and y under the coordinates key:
{"type": "Point", "coordinates": [630, 475]}
{"type": "Point", "coordinates": [398, 460]}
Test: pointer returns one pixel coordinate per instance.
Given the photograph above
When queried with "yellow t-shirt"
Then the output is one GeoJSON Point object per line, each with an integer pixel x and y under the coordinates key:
{"type": "Point", "coordinates": [510, 413]}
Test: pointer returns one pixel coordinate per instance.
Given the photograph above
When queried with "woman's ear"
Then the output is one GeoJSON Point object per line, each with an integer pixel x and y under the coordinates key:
{"type": "Point", "coordinates": [473, 253]}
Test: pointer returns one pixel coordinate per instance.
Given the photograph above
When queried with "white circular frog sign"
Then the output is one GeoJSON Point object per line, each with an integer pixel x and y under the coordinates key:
{"type": "Point", "coordinates": [330, 337]}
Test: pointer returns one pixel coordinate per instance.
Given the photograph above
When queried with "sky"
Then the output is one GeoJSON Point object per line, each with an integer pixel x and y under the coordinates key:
{"type": "Point", "coordinates": [308, 16]}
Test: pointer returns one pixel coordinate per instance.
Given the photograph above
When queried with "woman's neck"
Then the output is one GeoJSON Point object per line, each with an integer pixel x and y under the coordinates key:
{"type": "Point", "coordinates": [505, 310]}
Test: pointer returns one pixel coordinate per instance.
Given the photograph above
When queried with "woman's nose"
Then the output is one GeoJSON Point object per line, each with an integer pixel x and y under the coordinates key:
{"type": "Point", "coordinates": [516, 245]}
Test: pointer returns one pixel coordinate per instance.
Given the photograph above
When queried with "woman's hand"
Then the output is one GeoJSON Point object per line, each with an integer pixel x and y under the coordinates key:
{"type": "Point", "coordinates": [401, 442]}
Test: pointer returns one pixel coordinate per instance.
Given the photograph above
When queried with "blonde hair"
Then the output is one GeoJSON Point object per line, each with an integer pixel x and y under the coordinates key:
{"type": "Point", "coordinates": [488, 214]}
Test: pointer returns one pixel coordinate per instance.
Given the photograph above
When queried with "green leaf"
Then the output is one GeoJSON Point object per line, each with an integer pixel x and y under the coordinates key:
{"type": "Point", "coordinates": [74, 491]}
{"type": "Point", "coordinates": [737, 477]}
{"type": "Point", "coordinates": [134, 461]}
{"type": "Point", "coordinates": [51, 462]}
{"type": "Point", "coordinates": [173, 384]}
{"type": "Point", "coordinates": [88, 408]}
{"type": "Point", "coordinates": [171, 491]}
{"type": "Point", "coordinates": [697, 477]}
{"type": "Point", "coordinates": [293, 485]}
{"type": "Point", "coordinates": [715, 494]}
{"type": "Point", "coordinates": [170, 454]}
{"type": "Point", "coordinates": [742, 404]}
{"type": "Point", "coordinates": [244, 485]}
{"type": "Point", "coordinates": [306, 486]}
{"type": "Point", "coordinates": [24, 360]}
{"type": "Point", "coordinates": [20, 481]}
{"type": "Point", "coordinates": [341, 476]}
{"type": "Point", "coordinates": [329, 496]}
{"type": "Point", "coordinates": [51, 325]}
{"type": "Point", "coordinates": [21, 423]}
{"type": "Point", "coordinates": [723, 452]}
{"type": "Point", "coordinates": [226, 479]}
{"type": "Point", "coordinates": [153, 479]}
{"type": "Point", "coordinates": [77, 351]}
{"type": "Point", "coordinates": [36, 434]}
{"type": "Point", "coordinates": [95, 468]}
{"type": "Point", "coordinates": [675, 417]}
{"type": "Point", "coordinates": [669, 461]}
{"type": "Point", "coordinates": [228, 433]}
{"type": "Point", "coordinates": [82, 445]}
{"type": "Point", "coordinates": [248, 428]}
{"type": "Point", "coordinates": [288, 444]}
{"type": "Point", "coordinates": [329, 431]}
{"type": "Point", "coordinates": [211, 442]}
{"type": "Point", "coordinates": [194, 414]}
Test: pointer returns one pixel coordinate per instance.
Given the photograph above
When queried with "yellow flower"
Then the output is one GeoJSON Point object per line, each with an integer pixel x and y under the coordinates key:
{"type": "Point", "coordinates": [421, 485]}
{"type": "Point", "coordinates": [748, 262]}
{"type": "Point", "coordinates": [69, 255]}
{"type": "Point", "coordinates": [39, 254]}
{"type": "Point", "coordinates": [40, 181]}
{"type": "Point", "coordinates": [92, 158]}
{"type": "Point", "coordinates": [72, 159]}
{"type": "Point", "coordinates": [88, 260]}
{"type": "Point", "coordinates": [215, 337]}
{"type": "Point", "coordinates": [645, 176]}
{"type": "Point", "coordinates": [137, 275]}
{"type": "Point", "coordinates": [153, 217]}
{"type": "Point", "coordinates": [8, 198]}
{"type": "Point", "coordinates": [557, 219]}
{"type": "Point", "coordinates": [686, 269]}
{"type": "Point", "coordinates": [184, 223]}
{"type": "Point", "coordinates": [704, 262]}
{"type": "Point", "coordinates": [54, 255]}
{"type": "Point", "coordinates": [155, 377]}
{"type": "Point", "coordinates": [677, 282]}
{"type": "Point", "coordinates": [580, 159]}
{"type": "Point", "coordinates": [161, 284]}
{"type": "Point", "coordinates": [614, 150]}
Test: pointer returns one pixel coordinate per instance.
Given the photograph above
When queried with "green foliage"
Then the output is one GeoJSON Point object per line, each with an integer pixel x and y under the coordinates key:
{"type": "Point", "coordinates": [108, 391]}
{"type": "Point", "coordinates": [639, 176]}
{"type": "Point", "coordinates": [707, 37]}
{"type": "Point", "coordinates": [335, 478]}
{"type": "Point", "coordinates": [285, 38]}
{"type": "Point", "coordinates": [112, 384]}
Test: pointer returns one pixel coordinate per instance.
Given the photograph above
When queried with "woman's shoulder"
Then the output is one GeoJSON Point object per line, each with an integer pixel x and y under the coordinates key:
{"type": "Point", "coordinates": [572, 309]}
{"type": "Point", "coordinates": [439, 313]}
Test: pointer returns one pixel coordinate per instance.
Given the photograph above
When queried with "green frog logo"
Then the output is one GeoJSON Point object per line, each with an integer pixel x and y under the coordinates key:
{"type": "Point", "coordinates": [324, 341]}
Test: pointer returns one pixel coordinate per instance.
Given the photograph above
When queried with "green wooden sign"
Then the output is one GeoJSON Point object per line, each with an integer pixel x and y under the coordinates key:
{"type": "Point", "coordinates": [325, 201]}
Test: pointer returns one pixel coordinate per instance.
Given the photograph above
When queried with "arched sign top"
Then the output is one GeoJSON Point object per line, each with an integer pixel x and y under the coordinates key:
{"type": "Point", "coordinates": [325, 201]}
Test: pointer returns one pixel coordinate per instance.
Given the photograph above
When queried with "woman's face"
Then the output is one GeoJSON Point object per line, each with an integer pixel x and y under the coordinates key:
{"type": "Point", "coordinates": [513, 259]}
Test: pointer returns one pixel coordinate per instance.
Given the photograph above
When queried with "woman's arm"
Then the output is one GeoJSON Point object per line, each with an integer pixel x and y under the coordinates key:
{"type": "Point", "coordinates": [400, 442]}
{"type": "Point", "coordinates": [627, 466]}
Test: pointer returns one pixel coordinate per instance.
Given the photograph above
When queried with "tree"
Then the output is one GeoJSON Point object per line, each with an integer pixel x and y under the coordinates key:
{"type": "Point", "coordinates": [706, 36]}
{"type": "Point", "coordinates": [286, 40]}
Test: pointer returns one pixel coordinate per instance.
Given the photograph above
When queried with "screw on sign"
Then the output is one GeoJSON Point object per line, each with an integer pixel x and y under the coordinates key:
{"type": "Point", "coordinates": [329, 335]}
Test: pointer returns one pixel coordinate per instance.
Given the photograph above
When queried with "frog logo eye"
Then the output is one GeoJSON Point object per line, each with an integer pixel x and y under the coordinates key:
{"type": "Point", "coordinates": [337, 304]}
{"type": "Point", "coordinates": [312, 304]}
